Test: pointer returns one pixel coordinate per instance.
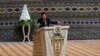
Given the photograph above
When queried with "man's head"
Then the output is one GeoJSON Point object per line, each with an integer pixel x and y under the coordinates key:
{"type": "Point", "coordinates": [43, 15]}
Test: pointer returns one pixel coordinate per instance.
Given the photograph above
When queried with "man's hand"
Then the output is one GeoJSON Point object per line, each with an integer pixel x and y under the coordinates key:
{"type": "Point", "coordinates": [38, 25]}
{"type": "Point", "coordinates": [58, 22]}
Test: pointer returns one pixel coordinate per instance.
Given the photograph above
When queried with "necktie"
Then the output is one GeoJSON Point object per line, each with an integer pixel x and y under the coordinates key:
{"type": "Point", "coordinates": [45, 23]}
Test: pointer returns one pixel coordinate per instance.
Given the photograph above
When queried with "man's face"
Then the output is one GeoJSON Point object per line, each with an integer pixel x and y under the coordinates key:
{"type": "Point", "coordinates": [44, 16]}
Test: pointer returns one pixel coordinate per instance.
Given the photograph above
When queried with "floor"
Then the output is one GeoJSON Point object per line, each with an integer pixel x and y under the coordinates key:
{"type": "Point", "coordinates": [74, 48]}
{"type": "Point", "coordinates": [16, 49]}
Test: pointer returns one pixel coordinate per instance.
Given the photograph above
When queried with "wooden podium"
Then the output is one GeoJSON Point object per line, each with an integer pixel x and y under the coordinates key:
{"type": "Point", "coordinates": [50, 41]}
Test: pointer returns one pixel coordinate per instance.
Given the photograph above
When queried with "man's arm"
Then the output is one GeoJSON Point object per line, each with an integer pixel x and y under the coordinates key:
{"type": "Point", "coordinates": [38, 23]}
{"type": "Point", "coordinates": [53, 22]}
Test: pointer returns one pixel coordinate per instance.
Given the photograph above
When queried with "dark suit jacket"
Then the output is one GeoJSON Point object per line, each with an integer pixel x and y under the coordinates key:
{"type": "Point", "coordinates": [48, 21]}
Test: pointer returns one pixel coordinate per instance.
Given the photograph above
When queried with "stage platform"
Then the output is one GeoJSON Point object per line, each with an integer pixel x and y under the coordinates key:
{"type": "Point", "coordinates": [74, 48]}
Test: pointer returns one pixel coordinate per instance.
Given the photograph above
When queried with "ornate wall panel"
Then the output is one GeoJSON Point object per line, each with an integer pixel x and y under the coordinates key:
{"type": "Point", "coordinates": [82, 15]}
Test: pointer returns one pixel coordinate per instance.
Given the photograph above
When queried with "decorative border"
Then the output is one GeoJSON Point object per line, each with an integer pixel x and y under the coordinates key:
{"type": "Point", "coordinates": [2, 10]}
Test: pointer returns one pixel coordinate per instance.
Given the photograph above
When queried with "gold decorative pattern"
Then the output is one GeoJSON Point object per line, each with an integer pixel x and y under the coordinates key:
{"type": "Point", "coordinates": [57, 45]}
{"type": "Point", "coordinates": [57, 41]}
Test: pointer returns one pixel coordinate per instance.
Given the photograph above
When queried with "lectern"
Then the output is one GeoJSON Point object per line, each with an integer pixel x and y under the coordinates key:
{"type": "Point", "coordinates": [50, 41]}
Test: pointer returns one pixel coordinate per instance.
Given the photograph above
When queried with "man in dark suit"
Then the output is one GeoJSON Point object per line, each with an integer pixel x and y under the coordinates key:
{"type": "Point", "coordinates": [44, 21]}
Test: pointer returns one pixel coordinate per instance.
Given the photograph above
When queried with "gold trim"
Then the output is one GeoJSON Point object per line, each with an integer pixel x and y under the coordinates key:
{"type": "Point", "coordinates": [57, 44]}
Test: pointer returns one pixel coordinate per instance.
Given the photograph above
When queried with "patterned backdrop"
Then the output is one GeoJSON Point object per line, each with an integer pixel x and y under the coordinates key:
{"type": "Point", "coordinates": [83, 16]}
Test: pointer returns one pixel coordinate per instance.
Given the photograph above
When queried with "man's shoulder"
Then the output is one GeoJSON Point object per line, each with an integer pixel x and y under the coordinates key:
{"type": "Point", "coordinates": [39, 19]}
